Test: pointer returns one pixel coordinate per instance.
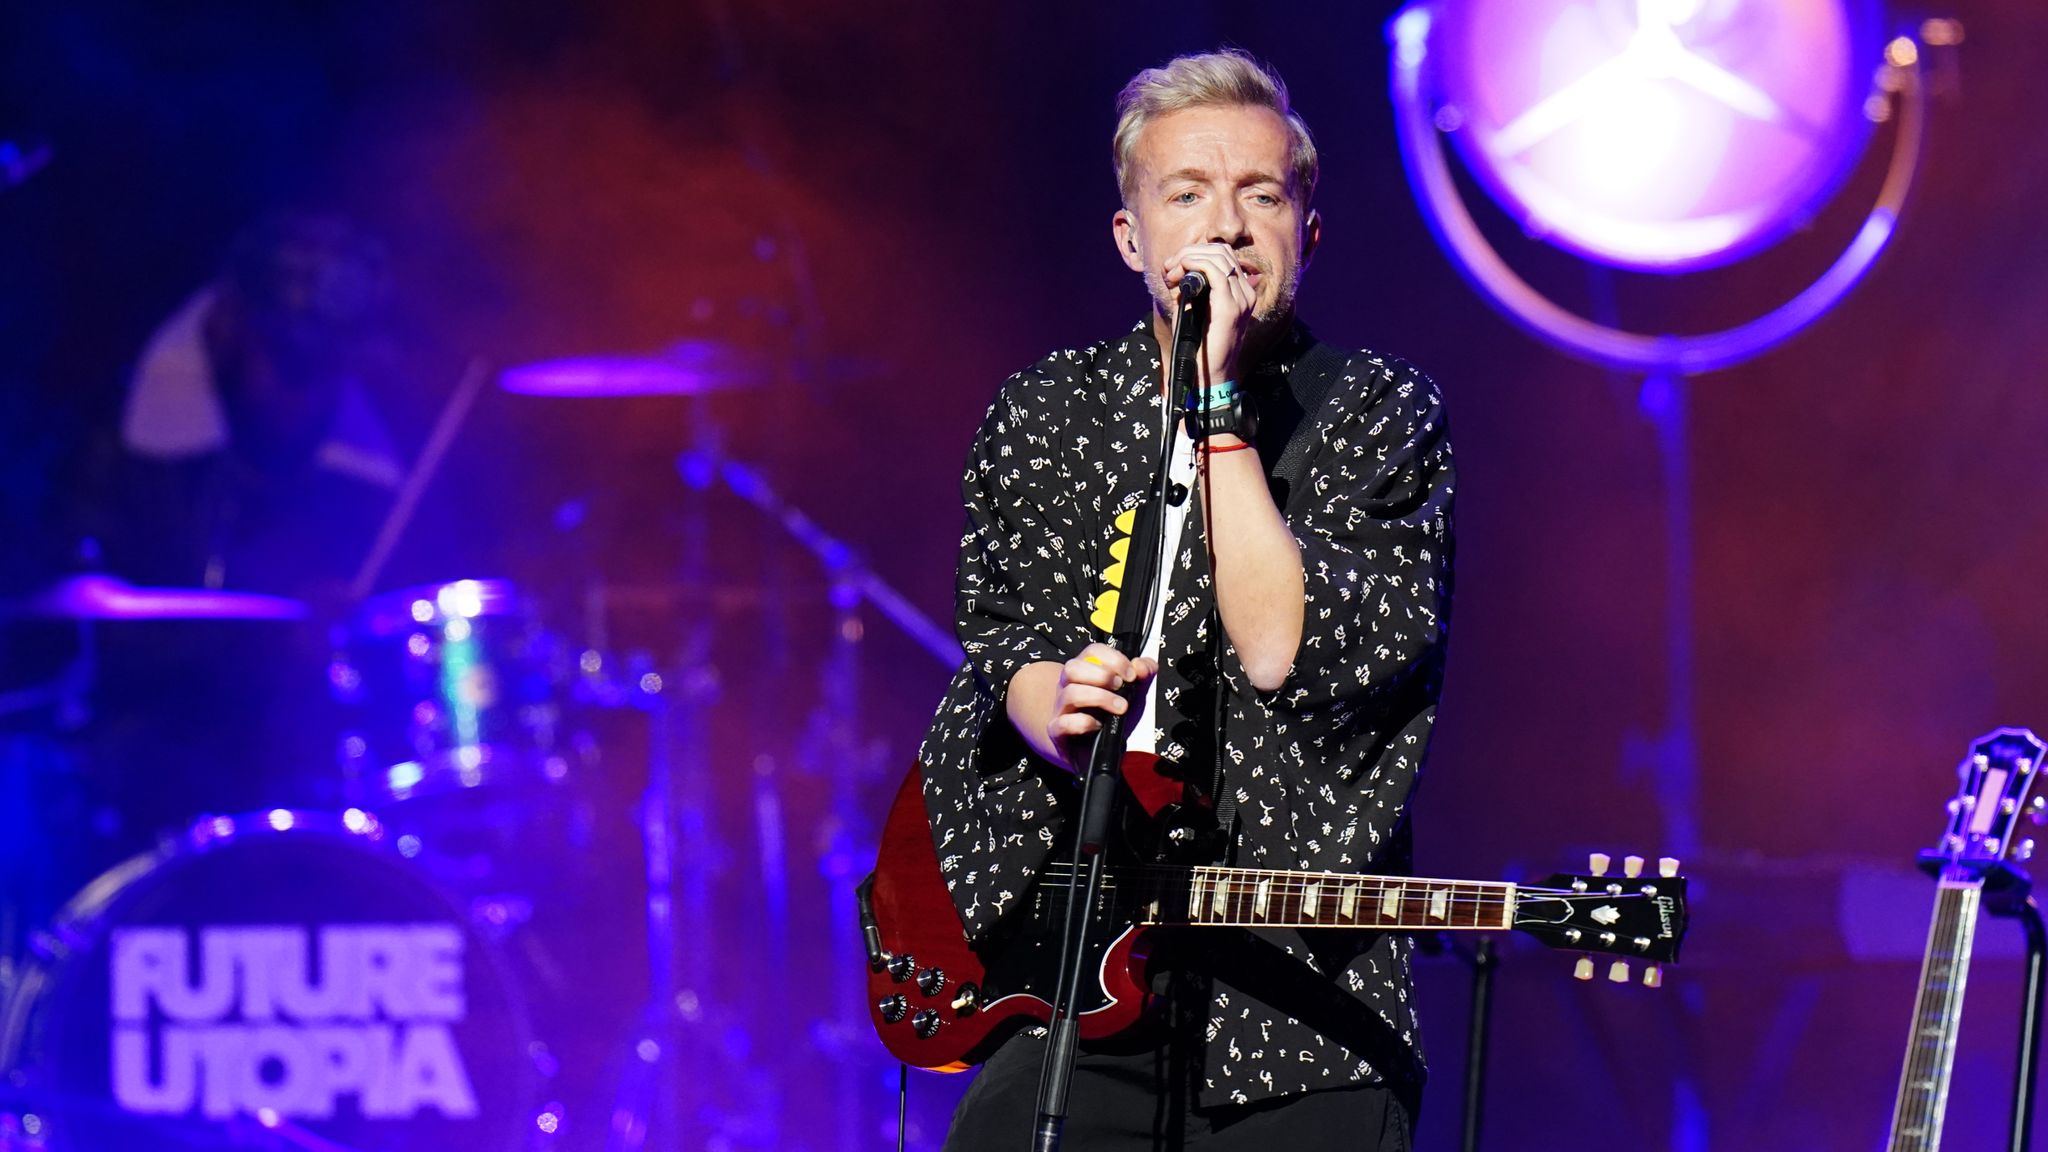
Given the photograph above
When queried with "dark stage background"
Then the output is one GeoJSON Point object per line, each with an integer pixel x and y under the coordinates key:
{"type": "Point", "coordinates": [901, 206]}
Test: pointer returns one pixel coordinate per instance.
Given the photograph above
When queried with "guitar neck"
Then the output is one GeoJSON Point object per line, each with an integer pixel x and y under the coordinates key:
{"type": "Point", "coordinates": [1937, 1009]}
{"type": "Point", "coordinates": [1266, 899]}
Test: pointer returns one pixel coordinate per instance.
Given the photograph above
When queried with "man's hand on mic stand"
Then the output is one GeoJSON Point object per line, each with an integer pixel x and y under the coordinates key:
{"type": "Point", "coordinates": [1053, 705]}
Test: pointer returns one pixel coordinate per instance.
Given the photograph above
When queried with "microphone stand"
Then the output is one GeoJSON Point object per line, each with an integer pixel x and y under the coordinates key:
{"type": "Point", "coordinates": [1144, 564]}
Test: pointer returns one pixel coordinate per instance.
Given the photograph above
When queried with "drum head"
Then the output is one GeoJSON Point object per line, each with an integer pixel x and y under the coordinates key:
{"type": "Point", "coordinates": [276, 981]}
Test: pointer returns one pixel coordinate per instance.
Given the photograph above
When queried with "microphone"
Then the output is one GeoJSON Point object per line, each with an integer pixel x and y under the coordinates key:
{"type": "Point", "coordinates": [1190, 324]}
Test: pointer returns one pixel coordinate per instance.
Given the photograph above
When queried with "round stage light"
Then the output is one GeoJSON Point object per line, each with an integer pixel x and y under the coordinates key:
{"type": "Point", "coordinates": [1656, 135]}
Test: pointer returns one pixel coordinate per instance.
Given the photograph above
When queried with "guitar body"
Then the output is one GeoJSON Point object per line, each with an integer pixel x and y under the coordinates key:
{"type": "Point", "coordinates": [1011, 987]}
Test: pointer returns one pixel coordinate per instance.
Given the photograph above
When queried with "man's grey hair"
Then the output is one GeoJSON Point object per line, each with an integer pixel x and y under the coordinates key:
{"type": "Point", "coordinates": [1225, 78]}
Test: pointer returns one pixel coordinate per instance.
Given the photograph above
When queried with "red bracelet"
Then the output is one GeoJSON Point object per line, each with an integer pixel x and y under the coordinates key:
{"type": "Point", "coordinates": [1212, 450]}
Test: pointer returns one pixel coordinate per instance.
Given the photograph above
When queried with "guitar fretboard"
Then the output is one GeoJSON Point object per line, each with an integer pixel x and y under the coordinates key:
{"type": "Point", "coordinates": [1256, 898]}
{"type": "Point", "coordinates": [1937, 1009]}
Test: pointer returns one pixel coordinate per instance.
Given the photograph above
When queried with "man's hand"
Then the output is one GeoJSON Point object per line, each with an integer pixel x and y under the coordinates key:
{"type": "Point", "coordinates": [1233, 296]}
{"type": "Point", "coordinates": [1048, 703]}
{"type": "Point", "coordinates": [1257, 562]}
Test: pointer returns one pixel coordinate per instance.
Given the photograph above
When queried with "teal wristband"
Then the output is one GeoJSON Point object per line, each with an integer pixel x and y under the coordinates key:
{"type": "Point", "coordinates": [1218, 395]}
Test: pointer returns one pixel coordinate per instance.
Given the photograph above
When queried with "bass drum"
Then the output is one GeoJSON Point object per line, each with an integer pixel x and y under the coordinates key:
{"type": "Point", "coordinates": [279, 980]}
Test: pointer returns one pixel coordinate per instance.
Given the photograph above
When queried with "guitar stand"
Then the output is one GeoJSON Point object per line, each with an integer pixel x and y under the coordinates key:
{"type": "Point", "coordinates": [2009, 893]}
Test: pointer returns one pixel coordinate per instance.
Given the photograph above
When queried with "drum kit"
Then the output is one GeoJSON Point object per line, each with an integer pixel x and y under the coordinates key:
{"type": "Point", "coordinates": [390, 968]}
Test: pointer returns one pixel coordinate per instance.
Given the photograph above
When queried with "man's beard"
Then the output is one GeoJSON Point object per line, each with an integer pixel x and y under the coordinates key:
{"type": "Point", "coordinates": [1282, 307]}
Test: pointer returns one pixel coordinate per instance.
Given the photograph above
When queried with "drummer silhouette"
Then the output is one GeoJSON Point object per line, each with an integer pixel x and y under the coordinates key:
{"type": "Point", "coordinates": [250, 459]}
{"type": "Point", "coordinates": [251, 456]}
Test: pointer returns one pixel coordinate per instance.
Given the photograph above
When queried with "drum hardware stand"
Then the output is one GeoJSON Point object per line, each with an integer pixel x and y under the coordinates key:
{"type": "Point", "coordinates": [674, 810]}
{"type": "Point", "coordinates": [834, 746]}
{"type": "Point", "coordinates": [832, 743]}
{"type": "Point", "coordinates": [852, 580]}
{"type": "Point", "coordinates": [649, 1096]}
{"type": "Point", "coordinates": [1098, 801]}
{"type": "Point", "coordinates": [68, 696]}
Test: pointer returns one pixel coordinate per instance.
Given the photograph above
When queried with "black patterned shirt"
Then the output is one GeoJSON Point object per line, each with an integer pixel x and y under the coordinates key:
{"type": "Point", "coordinates": [1322, 769]}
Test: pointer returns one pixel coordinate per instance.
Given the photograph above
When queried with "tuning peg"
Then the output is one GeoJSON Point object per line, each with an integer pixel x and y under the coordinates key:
{"type": "Point", "coordinates": [1667, 866]}
{"type": "Point", "coordinates": [1583, 970]}
{"type": "Point", "coordinates": [1653, 976]}
{"type": "Point", "coordinates": [1618, 972]}
{"type": "Point", "coordinates": [1631, 866]}
{"type": "Point", "coordinates": [1597, 863]}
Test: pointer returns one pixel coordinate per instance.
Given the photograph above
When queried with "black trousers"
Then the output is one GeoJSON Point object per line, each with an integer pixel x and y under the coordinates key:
{"type": "Point", "coordinates": [1139, 1101]}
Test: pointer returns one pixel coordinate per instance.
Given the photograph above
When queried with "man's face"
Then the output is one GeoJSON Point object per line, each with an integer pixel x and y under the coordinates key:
{"type": "Point", "coordinates": [280, 382]}
{"type": "Point", "coordinates": [1218, 175]}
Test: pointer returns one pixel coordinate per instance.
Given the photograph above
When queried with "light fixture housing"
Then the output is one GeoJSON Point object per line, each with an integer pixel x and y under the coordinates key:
{"type": "Point", "coordinates": [1657, 135]}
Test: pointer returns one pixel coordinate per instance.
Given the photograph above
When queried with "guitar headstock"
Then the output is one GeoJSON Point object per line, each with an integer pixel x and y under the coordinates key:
{"type": "Point", "coordinates": [1984, 829]}
{"type": "Point", "coordinates": [1628, 915]}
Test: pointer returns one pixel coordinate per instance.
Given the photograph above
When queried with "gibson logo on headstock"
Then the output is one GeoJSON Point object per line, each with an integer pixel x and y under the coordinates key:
{"type": "Point", "coordinates": [1667, 907]}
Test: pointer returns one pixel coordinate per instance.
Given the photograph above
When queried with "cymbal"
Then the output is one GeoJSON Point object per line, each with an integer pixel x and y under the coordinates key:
{"type": "Point", "coordinates": [691, 368]}
{"type": "Point", "coordinates": [97, 596]}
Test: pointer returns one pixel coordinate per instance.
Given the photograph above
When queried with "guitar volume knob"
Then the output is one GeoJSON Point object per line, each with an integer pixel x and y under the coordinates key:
{"type": "Point", "coordinates": [892, 1008]}
{"type": "Point", "coordinates": [930, 980]}
{"type": "Point", "coordinates": [925, 1023]}
{"type": "Point", "coordinates": [900, 967]}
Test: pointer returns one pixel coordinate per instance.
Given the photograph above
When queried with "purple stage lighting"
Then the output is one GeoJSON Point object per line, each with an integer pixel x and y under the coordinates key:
{"type": "Point", "coordinates": [97, 596]}
{"type": "Point", "coordinates": [1655, 135]}
{"type": "Point", "coordinates": [690, 368]}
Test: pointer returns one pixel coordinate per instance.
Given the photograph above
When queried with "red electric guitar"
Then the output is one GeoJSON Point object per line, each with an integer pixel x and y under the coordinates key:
{"type": "Point", "coordinates": [941, 1003]}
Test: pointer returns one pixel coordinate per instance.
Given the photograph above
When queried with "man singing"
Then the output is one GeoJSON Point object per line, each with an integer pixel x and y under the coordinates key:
{"type": "Point", "coordinates": [1292, 682]}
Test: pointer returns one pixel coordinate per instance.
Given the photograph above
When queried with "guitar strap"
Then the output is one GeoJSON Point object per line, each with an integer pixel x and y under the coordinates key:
{"type": "Point", "coordinates": [1310, 382]}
